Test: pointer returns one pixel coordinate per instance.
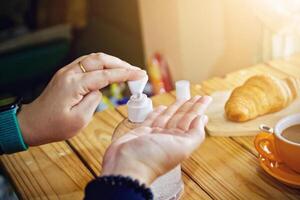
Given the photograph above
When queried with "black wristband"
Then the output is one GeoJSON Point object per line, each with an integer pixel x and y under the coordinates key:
{"type": "Point", "coordinates": [119, 182]}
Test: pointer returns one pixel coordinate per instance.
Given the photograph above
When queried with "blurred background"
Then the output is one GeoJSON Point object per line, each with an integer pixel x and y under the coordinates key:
{"type": "Point", "coordinates": [171, 39]}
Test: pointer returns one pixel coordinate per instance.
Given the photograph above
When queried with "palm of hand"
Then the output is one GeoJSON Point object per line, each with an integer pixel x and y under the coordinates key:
{"type": "Point", "coordinates": [167, 137]}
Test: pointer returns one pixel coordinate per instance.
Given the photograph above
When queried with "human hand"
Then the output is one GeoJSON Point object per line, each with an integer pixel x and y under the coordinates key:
{"type": "Point", "coordinates": [167, 137]}
{"type": "Point", "coordinates": [70, 99]}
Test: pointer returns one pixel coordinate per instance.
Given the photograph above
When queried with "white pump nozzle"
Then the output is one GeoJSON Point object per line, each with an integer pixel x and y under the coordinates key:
{"type": "Point", "coordinates": [137, 87]}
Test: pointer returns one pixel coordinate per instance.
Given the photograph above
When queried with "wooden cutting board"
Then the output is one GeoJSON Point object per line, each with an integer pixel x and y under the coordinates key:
{"type": "Point", "coordinates": [218, 125]}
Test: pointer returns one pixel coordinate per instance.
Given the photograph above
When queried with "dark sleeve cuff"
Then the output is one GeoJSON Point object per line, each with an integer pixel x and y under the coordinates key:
{"type": "Point", "coordinates": [116, 188]}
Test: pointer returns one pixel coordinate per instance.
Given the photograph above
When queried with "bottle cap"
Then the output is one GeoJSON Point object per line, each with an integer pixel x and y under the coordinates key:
{"type": "Point", "coordinates": [183, 90]}
{"type": "Point", "coordinates": [137, 87]}
{"type": "Point", "coordinates": [139, 106]}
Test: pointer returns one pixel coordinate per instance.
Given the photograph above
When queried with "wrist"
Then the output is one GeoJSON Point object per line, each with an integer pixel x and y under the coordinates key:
{"type": "Point", "coordinates": [24, 124]}
{"type": "Point", "coordinates": [135, 171]}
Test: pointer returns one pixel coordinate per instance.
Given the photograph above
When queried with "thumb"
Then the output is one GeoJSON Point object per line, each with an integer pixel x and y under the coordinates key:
{"type": "Point", "coordinates": [88, 104]}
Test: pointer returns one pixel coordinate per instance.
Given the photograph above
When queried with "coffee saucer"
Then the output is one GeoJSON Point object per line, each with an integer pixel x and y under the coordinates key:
{"type": "Point", "coordinates": [281, 172]}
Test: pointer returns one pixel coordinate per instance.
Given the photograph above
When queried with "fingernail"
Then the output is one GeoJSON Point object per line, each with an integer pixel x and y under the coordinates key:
{"type": "Point", "coordinates": [206, 99]}
{"type": "Point", "coordinates": [161, 107]}
{"type": "Point", "coordinates": [142, 72]}
{"type": "Point", "coordinates": [204, 119]}
{"type": "Point", "coordinates": [195, 98]}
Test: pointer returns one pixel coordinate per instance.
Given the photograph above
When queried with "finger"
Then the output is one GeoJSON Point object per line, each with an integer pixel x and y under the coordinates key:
{"type": "Point", "coordinates": [96, 80]}
{"type": "Point", "coordinates": [173, 122]}
{"type": "Point", "coordinates": [161, 121]}
{"type": "Point", "coordinates": [199, 122]}
{"type": "Point", "coordinates": [201, 105]}
{"type": "Point", "coordinates": [188, 105]}
{"type": "Point", "coordinates": [110, 62]}
{"type": "Point", "coordinates": [87, 106]}
{"type": "Point", "coordinates": [89, 63]}
{"type": "Point", "coordinates": [71, 65]}
{"type": "Point", "coordinates": [153, 115]}
{"type": "Point", "coordinates": [98, 61]}
{"type": "Point", "coordinates": [197, 131]}
{"type": "Point", "coordinates": [192, 139]}
{"type": "Point", "coordinates": [195, 136]}
{"type": "Point", "coordinates": [197, 109]}
{"type": "Point", "coordinates": [77, 60]}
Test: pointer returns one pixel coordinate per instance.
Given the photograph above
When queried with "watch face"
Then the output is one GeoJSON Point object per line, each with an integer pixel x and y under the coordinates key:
{"type": "Point", "coordinates": [8, 103]}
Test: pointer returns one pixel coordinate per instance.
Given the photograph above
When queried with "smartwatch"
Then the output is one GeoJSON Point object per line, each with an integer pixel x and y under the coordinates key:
{"type": "Point", "coordinates": [11, 139]}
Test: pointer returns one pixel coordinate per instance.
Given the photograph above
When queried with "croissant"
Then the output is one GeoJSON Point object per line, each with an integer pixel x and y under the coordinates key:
{"type": "Point", "coordinates": [260, 95]}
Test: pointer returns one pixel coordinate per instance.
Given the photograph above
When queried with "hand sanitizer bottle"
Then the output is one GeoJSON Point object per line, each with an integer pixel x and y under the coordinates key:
{"type": "Point", "coordinates": [170, 185]}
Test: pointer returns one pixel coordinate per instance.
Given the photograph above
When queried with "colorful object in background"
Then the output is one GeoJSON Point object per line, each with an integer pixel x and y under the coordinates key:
{"type": "Point", "coordinates": [148, 89]}
{"type": "Point", "coordinates": [113, 97]}
{"type": "Point", "coordinates": [104, 104]}
{"type": "Point", "coordinates": [159, 74]}
{"type": "Point", "coordinates": [116, 96]}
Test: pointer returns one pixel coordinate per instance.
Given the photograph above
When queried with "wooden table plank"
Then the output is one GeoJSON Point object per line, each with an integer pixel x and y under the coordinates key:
{"type": "Point", "coordinates": [50, 171]}
{"type": "Point", "coordinates": [92, 142]}
{"type": "Point", "coordinates": [191, 190]}
{"type": "Point", "coordinates": [225, 170]}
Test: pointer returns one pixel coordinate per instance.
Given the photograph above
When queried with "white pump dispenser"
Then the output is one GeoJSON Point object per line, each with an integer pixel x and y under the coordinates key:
{"type": "Point", "coordinates": [139, 105]}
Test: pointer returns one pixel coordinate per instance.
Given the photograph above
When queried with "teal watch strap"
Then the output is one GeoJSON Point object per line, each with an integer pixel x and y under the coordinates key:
{"type": "Point", "coordinates": [11, 139]}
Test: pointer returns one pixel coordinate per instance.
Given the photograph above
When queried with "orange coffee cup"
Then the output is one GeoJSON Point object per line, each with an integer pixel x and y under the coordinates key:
{"type": "Point", "coordinates": [273, 146]}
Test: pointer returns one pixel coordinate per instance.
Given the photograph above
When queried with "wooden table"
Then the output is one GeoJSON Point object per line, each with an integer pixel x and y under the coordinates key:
{"type": "Point", "coordinates": [222, 168]}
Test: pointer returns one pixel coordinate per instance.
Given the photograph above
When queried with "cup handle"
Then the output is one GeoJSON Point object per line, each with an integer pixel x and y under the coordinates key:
{"type": "Point", "coordinates": [265, 145]}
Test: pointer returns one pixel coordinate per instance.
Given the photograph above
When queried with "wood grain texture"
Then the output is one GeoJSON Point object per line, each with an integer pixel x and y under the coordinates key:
{"type": "Point", "coordinates": [92, 142]}
{"type": "Point", "coordinates": [50, 171]}
{"type": "Point", "coordinates": [225, 170]}
{"type": "Point", "coordinates": [192, 190]}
